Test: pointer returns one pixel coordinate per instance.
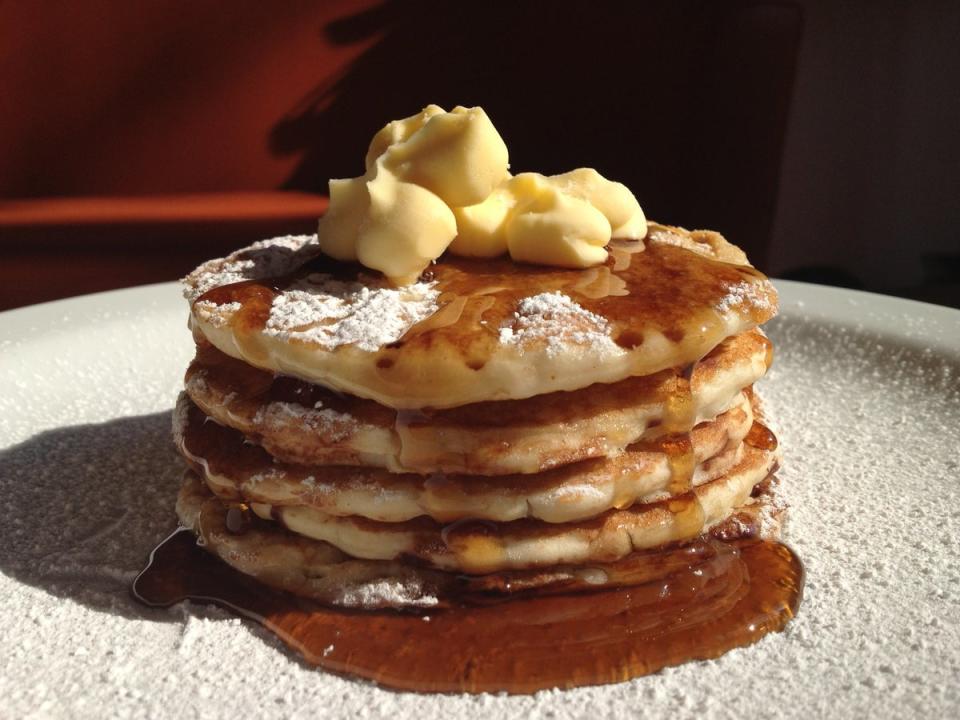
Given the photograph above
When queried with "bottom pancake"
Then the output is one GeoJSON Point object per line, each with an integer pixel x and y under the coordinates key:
{"type": "Point", "coordinates": [317, 570]}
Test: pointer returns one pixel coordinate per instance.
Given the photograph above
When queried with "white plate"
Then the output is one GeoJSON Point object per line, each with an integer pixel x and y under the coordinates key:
{"type": "Point", "coordinates": [866, 393]}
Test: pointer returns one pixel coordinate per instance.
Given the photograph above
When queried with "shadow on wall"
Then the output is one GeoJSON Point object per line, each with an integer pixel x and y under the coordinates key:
{"type": "Point", "coordinates": [685, 102]}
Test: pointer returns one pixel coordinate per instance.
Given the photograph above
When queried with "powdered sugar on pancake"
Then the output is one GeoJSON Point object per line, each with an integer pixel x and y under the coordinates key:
{"type": "Point", "coordinates": [217, 315]}
{"type": "Point", "coordinates": [703, 242]}
{"type": "Point", "coordinates": [773, 507]}
{"type": "Point", "coordinates": [331, 313]}
{"type": "Point", "coordinates": [331, 424]}
{"type": "Point", "coordinates": [555, 320]}
{"type": "Point", "coordinates": [389, 592]}
{"type": "Point", "coordinates": [264, 259]}
{"type": "Point", "coordinates": [752, 294]}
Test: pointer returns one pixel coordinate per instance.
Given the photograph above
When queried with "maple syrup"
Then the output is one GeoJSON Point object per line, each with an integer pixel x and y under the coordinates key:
{"type": "Point", "coordinates": [661, 289]}
{"type": "Point", "coordinates": [655, 609]}
{"type": "Point", "coordinates": [760, 436]}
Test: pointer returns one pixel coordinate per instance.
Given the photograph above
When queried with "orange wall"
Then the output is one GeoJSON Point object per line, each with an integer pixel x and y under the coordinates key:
{"type": "Point", "coordinates": [109, 97]}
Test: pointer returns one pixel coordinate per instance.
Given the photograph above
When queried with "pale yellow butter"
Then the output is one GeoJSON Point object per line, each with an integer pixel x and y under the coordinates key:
{"type": "Point", "coordinates": [439, 180]}
{"type": "Point", "coordinates": [482, 228]}
{"type": "Point", "coordinates": [550, 227]}
{"type": "Point", "coordinates": [564, 220]}
{"type": "Point", "coordinates": [397, 217]}
{"type": "Point", "coordinates": [405, 228]}
{"type": "Point", "coordinates": [613, 199]}
{"type": "Point", "coordinates": [459, 156]}
{"type": "Point", "coordinates": [398, 131]}
{"type": "Point", "coordinates": [340, 226]}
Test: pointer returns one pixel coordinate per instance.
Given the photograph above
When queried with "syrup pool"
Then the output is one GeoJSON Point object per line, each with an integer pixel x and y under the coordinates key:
{"type": "Point", "coordinates": [690, 602]}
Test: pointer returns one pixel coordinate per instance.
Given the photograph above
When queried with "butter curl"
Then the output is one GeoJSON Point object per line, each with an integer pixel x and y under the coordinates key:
{"type": "Point", "coordinates": [440, 180]}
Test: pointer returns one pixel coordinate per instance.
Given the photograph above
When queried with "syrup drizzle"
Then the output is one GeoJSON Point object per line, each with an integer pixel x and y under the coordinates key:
{"type": "Point", "coordinates": [671, 291]}
{"type": "Point", "coordinates": [675, 438]}
{"type": "Point", "coordinates": [685, 603]}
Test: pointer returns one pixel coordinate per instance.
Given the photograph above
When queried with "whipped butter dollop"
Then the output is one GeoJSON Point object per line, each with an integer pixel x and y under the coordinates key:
{"type": "Point", "coordinates": [439, 181]}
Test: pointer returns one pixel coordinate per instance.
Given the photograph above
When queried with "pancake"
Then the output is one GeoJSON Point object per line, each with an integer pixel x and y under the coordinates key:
{"type": "Point", "coordinates": [285, 560]}
{"type": "Point", "coordinates": [314, 569]}
{"type": "Point", "coordinates": [644, 473]}
{"type": "Point", "coordinates": [481, 546]}
{"type": "Point", "coordinates": [305, 423]}
{"type": "Point", "coordinates": [479, 330]}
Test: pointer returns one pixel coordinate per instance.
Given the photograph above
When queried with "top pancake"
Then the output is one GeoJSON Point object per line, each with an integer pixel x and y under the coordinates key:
{"type": "Point", "coordinates": [478, 330]}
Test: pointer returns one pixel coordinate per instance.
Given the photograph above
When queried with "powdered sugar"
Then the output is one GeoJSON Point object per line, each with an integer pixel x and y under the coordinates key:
{"type": "Point", "coordinates": [665, 237]}
{"type": "Point", "coordinates": [330, 424]}
{"type": "Point", "coordinates": [746, 293]}
{"type": "Point", "coordinates": [555, 321]}
{"type": "Point", "coordinates": [703, 242]}
{"type": "Point", "coordinates": [264, 259]}
{"type": "Point", "coordinates": [389, 592]}
{"type": "Point", "coordinates": [197, 382]}
{"type": "Point", "coordinates": [271, 475]}
{"type": "Point", "coordinates": [180, 419]}
{"type": "Point", "coordinates": [216, 315]}
{"type": "Point", "coordinates": [772, 510]}
{"type": "Point", "coordinates": [332, 313]}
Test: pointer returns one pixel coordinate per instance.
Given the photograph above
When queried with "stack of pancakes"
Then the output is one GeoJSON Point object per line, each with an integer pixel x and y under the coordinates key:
{"type": "Point", "coordinates": [495, 426]}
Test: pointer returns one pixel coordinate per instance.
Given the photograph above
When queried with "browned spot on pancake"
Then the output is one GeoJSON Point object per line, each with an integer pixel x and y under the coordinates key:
{"type": "Point", "coordinates": [629, 339]}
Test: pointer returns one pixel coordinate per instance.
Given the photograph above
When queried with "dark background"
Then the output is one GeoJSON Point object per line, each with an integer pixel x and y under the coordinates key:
{"type": "Point", "coordinates": [140, 138]}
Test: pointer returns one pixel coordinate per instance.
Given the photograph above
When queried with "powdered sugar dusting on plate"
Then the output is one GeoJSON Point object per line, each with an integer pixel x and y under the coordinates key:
{"type": "Point", "coordinates": [331, 313]}
{"type": "Point", "coordinates": [554, 320]}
